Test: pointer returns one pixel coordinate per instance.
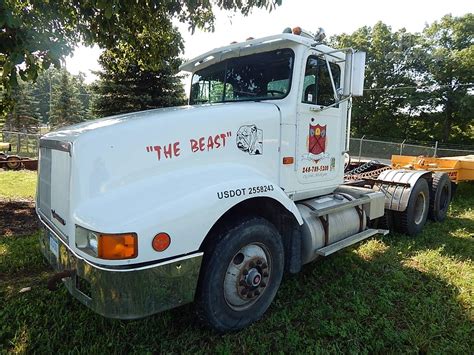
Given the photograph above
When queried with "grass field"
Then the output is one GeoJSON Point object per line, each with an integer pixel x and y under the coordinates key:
{"type": "Point", "coordinates": [391, 294]}
{"type": "Point", "coordinates": [14, 184]}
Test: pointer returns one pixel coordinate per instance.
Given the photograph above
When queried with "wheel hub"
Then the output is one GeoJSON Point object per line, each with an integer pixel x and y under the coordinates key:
{"type": "Point", "coordinates": [247, 276]}
{"type": "Point", "coordinates": [253, 278]}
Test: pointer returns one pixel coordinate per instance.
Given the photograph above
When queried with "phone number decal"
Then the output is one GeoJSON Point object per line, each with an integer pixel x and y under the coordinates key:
{"type": "Point", "coordinates": [253, 190]}
{"type": "Point", "coordinates": [315, 169]}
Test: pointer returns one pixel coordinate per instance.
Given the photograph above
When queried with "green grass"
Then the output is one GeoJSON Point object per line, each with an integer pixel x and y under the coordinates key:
{"type": "Point", "coordinates": [392, 294]}
{"type": "Point", "coordinates": [18, 184]}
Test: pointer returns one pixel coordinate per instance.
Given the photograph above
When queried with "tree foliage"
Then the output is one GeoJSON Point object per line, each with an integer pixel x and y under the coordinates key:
{"type": "Point", "coordinates": [124, 87]}
{"type": "Point", "coordinates": [417, 86]}
{"type": "Point", "coordinates": [66, 106]}
{"type": "Point", "coordinates": [449, 65]}
{"type": "Point", "coordinates": [25, 115]}
{"type": "Point", "coordinates": [38, 33]}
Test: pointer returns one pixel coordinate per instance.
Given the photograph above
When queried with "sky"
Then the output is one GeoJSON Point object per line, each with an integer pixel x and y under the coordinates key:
{"type": "Point", "coordinates": [334, 17]}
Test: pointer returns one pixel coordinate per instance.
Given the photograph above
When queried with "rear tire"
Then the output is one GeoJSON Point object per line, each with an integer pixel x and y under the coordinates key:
{"type": "Point", "coordinates": [412, 220]}
{"type": "Point", "coordinates": [384, 222]}
{"type": "Point", "coordinates": [13, 163]}
{"type": "Point", "coordinates": [241, 273]}
{"type": "Point", "coordinates": [454, 188]}
{"type": "Point", "coordinates": [440, 197]}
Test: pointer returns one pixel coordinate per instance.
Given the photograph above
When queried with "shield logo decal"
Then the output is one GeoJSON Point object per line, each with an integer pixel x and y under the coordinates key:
{"type": "Point", "coordinates": [317, 139]}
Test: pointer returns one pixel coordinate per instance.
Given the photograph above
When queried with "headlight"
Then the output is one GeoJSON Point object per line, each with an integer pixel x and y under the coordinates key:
{"type": "Point", "coordinates": [107, 246]}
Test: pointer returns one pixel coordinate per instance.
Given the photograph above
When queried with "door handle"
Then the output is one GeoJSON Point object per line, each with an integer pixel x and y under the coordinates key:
{"type": "Point", "coordinates": [315, 108]}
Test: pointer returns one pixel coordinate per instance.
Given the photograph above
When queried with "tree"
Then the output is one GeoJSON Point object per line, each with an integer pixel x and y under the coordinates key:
{"type": "Point", "coordinates": [42, 90]}
{"type": "Point", "coordinates": [25, 115]}
{"type": "Point", "coordinates": [85, 94]}
{"type": "Point", "coordinates": [66, 106]}
{"type": "Point", "coordinates": [127, 88]}
{"type": "Point", "coordinates": [38, 33]}
{"type": "Point", "coordinates": [449, 65]}
{"type": "Point", "coordinates": [391, 66]}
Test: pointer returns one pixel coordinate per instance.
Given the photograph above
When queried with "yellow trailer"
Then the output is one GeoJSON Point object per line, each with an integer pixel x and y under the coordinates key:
{"type": "Point", "coordinates": [458, 168]}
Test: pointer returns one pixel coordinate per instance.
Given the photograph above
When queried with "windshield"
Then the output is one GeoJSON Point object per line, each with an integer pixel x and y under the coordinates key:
{"type": "Point", "coordinates": [259, 76]}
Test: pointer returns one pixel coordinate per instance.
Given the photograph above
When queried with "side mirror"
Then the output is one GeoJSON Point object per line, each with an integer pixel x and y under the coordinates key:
{"type": "Point", "coordinates": [354, 73]}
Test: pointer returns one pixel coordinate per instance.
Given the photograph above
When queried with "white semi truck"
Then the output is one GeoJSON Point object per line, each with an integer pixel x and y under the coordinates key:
{"type": "Point", "coordinates": [213, 202]}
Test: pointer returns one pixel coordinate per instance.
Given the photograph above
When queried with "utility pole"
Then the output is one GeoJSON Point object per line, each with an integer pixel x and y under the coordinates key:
{"type": "Point", "coordinates": [50, 98]}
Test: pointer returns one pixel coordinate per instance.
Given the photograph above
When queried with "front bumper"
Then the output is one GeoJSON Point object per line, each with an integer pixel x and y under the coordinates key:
{"type": "Point", "coordinates": [126, 293]}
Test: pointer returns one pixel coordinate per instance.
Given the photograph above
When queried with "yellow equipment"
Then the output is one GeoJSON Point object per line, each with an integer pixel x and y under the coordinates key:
{"type": "Point", "coordinates": [5, 147]}
{"type": "Point", "coordinates": [458, 168]}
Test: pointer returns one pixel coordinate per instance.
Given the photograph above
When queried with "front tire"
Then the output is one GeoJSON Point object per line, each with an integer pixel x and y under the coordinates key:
{"type": "Point", "coordinates": [241, 273]}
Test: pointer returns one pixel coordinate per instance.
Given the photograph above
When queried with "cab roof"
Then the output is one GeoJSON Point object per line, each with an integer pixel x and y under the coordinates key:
{"type": "Point", "coordinates": [274, 42]}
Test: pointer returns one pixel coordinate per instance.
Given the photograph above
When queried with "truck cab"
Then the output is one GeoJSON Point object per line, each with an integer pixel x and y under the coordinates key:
{"type": "Point", "coordinates": [212, 202]}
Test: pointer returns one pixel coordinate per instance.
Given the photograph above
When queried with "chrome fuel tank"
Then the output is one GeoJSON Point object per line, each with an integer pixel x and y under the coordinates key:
{"type": "Point", "coordinates": [319, 232]}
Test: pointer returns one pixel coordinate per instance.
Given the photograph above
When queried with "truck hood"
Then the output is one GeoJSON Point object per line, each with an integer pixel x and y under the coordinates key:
{"type": "Point", "coordinates": [171, 115]}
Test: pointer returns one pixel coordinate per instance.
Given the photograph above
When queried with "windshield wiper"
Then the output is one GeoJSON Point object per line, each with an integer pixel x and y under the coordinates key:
{"type": "Point", "coordinates": [246, 92]}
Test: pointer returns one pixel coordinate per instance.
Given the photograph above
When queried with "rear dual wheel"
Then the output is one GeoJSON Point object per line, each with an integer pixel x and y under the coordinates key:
{"type": "Point", "coordinates": [242, 270]}
{"type": "Point", "coordinates": [440, 197]}
{"type": "Point", "coordinates": [412, 220]}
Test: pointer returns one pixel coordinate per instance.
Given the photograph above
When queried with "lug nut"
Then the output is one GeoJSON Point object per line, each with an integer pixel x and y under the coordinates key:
{"type": "Point", "coordinates": [244, 292]}
{"type": "Point", "coordinates": [245, 272]}
{"type": "Point", "coordinates": [251, 264]}
{"type": "Point", "coordinates": [257, 293]}
{"type": "Point", "coordinates": [264, 265]}
{"type": "Point", "coordinates": [242, 283]}
{"type": "Point", "coordinates": [250, 295]}
{"type": "Point", "coordinates": [265, 274]}
{"type": "Point", "coordinates": [263, 284]}
{"type": "Point", "coordinates": [259, 262]}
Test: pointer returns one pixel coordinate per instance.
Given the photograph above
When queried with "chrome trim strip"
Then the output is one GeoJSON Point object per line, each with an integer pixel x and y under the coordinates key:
{"type": "Point", "coordinates": [49, 226]}
{"type": "Point", "coordinates": [56, 145]}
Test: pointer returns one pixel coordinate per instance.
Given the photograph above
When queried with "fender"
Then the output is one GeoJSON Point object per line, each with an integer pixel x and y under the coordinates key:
{"type": "Point", "coordinates": [184, 203]}
{"type": "Point", "coordinates": [396, 197]}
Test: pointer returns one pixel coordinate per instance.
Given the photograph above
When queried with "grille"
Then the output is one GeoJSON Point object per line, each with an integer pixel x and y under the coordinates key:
{"type": "Point", "coordinates": [44, 190]}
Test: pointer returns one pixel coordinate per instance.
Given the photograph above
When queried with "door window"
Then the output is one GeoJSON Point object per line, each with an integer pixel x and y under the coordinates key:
{"type": "Point", "coordinates": [317, 87]}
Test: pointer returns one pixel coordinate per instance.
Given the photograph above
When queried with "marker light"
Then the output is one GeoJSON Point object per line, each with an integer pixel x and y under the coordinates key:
{"type": "Point", "coordinates": [161, 242]}
{"type": "Point", "coordinates": [288, 160]}
{"type": "Point", "coordinates": [297, 31]}
{"type": "Point", "coordinates": [118, 246]}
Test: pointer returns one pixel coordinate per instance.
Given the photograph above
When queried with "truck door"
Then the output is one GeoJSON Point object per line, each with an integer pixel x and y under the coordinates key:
{"type": "Point", "coordinates": [319, 124]}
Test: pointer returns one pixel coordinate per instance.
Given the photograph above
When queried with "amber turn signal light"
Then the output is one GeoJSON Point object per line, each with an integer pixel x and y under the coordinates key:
{"type": "Point", "coordinates": [118, 246]}
{"type": "Point", "coordinates": [288, 160]}
{"type": "Point", "coordinates": [161, 242]}
{"type": "Point", "coordinates": [297, 31]}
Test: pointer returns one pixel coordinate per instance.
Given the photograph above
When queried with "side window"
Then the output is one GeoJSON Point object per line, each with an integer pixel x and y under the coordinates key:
{"type": "Point", "coordinates": [309, 86]}
{"type": "Point", "coordinates": [317, 87]}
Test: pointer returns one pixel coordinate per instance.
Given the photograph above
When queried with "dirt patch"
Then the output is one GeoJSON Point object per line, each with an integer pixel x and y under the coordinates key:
{"type": "Point", "coordinates": [18, 217]}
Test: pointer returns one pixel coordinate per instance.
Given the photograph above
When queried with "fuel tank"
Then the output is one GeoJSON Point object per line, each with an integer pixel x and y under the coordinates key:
{"type": "Point", "coordinates": [319, 232]}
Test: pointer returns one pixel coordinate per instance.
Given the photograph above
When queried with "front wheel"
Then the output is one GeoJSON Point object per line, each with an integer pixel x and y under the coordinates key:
{"type": "Point", "coordinates": [241, 273]}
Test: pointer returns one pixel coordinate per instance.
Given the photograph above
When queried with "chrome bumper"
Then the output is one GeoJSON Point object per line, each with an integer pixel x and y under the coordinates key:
{"type": "Point", "coordinates": [126, 293]}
